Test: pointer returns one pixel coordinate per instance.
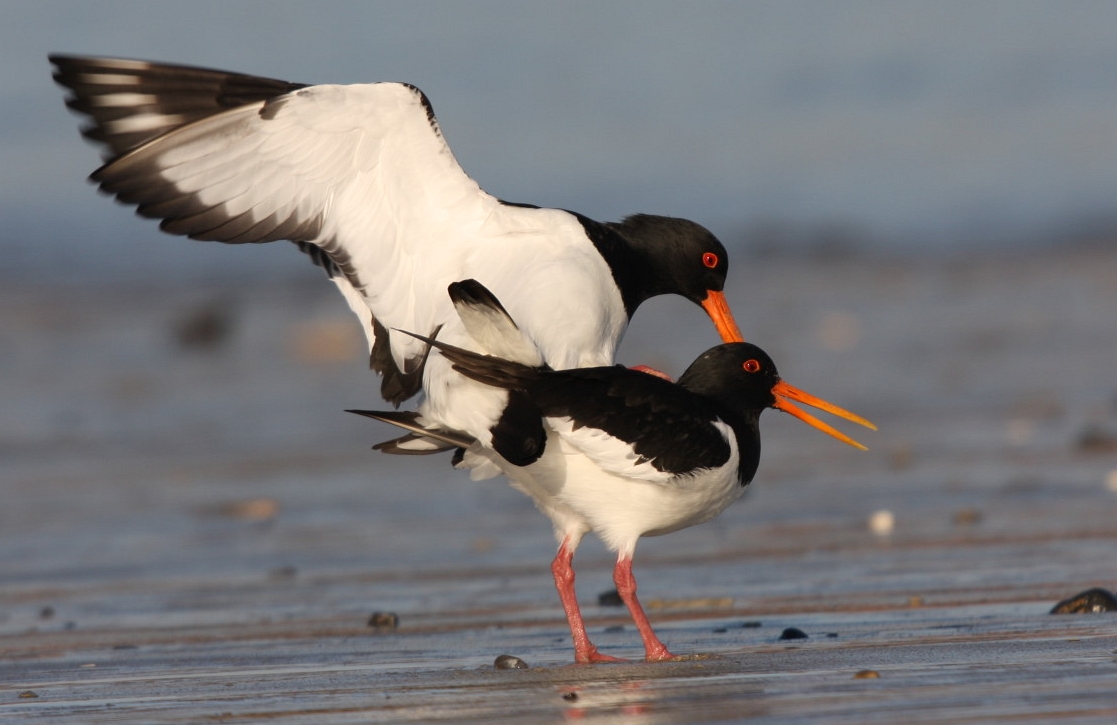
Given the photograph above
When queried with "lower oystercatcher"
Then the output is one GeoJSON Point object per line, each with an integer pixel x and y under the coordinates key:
{"type": "Point", "coordinates": [362, 179]}
{"type": "Point", "coordinates": [617, 451]}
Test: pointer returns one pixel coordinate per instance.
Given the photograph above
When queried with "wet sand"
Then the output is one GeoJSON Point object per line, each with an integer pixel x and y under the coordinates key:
{"type": "Point", "coordinates": [193, 531]}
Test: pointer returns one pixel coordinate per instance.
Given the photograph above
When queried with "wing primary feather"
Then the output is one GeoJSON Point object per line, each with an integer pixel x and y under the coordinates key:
{"type": "Point", "coordinates": [409, 420]}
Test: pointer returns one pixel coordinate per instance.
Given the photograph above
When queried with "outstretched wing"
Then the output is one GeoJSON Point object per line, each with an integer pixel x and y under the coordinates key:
{"type": "Point", "coordinates": [359, 175]}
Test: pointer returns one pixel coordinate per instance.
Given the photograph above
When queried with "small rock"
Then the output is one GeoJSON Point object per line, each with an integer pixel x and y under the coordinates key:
{"type": "Point", "coordinates": [966, 517]}
{"type": "Point", "coordinates": [882, 522]}
{"type": "Point", "coordinates": [287, 571]}
{"type": "Point", "coordinates": [1096, 439]}
{"type": "Point", "coordinates": [610, 598]}
{"type": "Point", "coordinates": [614, 629]}
{"type": "Point", "coordinates": [793, 633]}
{"type": "Point", "coordinates": [915, 601]}
{"type": "Point", "coordinates": [570, 696]}
{"type": "Point", "coordinates": [205, 328]}
{"type": "Point", "coordinates": [250, 509]}
{"type": "Point", "coordinates": [27, 695]}
{"type": "Point", "coordinates": [1091, 601]}
{"type": "Point", "coordinates": [383, 620]}
{"type": "Point", "coordinates": [750, 625]}
{"type": "Point", "coordinates": [46, 612]}
{"type": "Point", "coordinates": [867, 675]}
{"type": "Point", "coordinates": [509, 662]}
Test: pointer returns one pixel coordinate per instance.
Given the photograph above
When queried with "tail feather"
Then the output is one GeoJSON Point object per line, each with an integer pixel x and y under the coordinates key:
{"type": "Point", "coordinates": [422, 439]}
{"type": "Point", "coordinates": [490, 325]}
{"type": "Point", "coordinates": [488, 369]}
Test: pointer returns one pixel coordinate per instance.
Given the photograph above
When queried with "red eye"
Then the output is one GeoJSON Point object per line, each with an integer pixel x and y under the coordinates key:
{"type": "Point", "coordinates": [710, 259]}
{"type": "Point", "coordinates": [751, 366]}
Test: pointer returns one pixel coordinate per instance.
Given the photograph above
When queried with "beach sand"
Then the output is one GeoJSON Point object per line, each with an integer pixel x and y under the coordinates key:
{"type": "Point", "coordinates": [192, 529]}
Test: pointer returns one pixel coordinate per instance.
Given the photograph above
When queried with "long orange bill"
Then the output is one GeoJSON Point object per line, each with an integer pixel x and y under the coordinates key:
{"type": "Point", "coordinates": [718, 310]}
{"type": "Point", "coordinates": [785, 393]}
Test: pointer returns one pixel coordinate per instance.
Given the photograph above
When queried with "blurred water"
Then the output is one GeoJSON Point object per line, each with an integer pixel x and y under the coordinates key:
{"type": "Point", "coordinates": [899, 128]}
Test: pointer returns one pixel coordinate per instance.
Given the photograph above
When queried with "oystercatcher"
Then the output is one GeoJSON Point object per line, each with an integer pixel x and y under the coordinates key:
{"type": "Point", "coordinates": [362, 180]}
{"type": "Point", "coordinates": [617, 451]}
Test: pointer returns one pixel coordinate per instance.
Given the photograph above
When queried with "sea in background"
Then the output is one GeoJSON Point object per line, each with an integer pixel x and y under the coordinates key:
{"type": "Point", "coordinates": [786, 127]}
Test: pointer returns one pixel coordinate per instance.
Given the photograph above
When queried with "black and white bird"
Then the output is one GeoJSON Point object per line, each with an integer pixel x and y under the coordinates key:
{"type": "Point", "coordinates": [361, 178]}
{"type": "Point", "coordinates": [616, 451]}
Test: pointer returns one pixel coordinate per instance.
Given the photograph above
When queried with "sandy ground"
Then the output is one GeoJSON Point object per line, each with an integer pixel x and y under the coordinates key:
{"type": "Point", "coordinates": [191, 529]}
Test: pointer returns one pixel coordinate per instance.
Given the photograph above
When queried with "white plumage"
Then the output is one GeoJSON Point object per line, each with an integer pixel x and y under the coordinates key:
{"type": "Point", "coordinates": [362, 178]}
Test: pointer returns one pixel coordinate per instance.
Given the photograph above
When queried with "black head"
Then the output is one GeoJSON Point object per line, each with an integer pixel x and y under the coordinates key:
{"type": "Point", "coordinates": [742, 378]}
{"type": "Point", "coordinates": [676, 256]}
{"type": "Point", "coordinates": [739, 375]}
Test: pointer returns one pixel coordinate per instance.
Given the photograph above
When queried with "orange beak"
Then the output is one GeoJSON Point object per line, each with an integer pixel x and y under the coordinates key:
{"type": "Point", "coordinates": [784, 393]}
{"type": "Point", "coordinates": [718, 310]}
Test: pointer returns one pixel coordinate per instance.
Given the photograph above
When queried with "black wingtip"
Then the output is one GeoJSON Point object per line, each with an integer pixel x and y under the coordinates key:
{"type": "Point", "coordinates": [365, 413]}
{"type": "Point", "coordinates": [409, 421]}
{"type": "Point", "coordinates": [472, 292]}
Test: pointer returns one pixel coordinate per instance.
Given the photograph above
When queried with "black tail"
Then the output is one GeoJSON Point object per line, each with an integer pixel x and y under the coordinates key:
{"type": "Point", "coordinates": [439, 439]}
{"type": "Point", "coordinates": [487, 369]}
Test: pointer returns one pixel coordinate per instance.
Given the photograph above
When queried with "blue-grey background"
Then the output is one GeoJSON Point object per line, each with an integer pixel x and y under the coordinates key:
{"type": "Point", "coordinates": [888, 126]}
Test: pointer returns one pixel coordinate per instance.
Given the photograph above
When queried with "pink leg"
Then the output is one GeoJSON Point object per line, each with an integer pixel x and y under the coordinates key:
{"type": "Point", "coordinates": [561, 567]}
{"type": "Point", "coordinates": [626, 587]}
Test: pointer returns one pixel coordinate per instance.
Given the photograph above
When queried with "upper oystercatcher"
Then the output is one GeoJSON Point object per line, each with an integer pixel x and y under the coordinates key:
{"type": "Point", "coordinates": [616, 451]}
{"type": "Point", "coordinates": [361, 178]}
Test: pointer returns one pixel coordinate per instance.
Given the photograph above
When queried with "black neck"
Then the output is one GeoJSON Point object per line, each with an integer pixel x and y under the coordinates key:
{"type": "Point", "coordinates": [635, 278]}
{"type": "Point", "coordinates": [747, 430]}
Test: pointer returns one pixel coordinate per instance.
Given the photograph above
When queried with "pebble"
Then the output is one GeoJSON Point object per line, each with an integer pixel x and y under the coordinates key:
{"type": "Point", "coordinates": [867, 675]}
{"type": "Point", "coordinates": [250, 509]}
{"type": "Point", "coordinates": [383, 620]}
{"type": "Point", "coordinates": [509, 662]}
{"type": "Point", "coordinates": [1091, 601]}
{"type": "Point", "coordinates": [793, 633]}
{"type": "Point", "coordinates": [206, 328]}
{"type": "Point", "coordinates": [283, 572]}
{"type": "Point", "coordinates": [27, 695]}
{"type": "Point", "coordinates": [966, 517]}
{"type": "Point", "coordinates": [610, 599]}
{"type": "Point", "coordinates": [882, 522]}
{"type": "Point", "coordinates": [1097, 439]}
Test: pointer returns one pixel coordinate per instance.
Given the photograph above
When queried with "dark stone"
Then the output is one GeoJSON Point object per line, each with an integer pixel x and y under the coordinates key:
{"type": "Point", "coordinates": [610, 599]}
{"type": "Point", "coordinates": [384, 620]}
{"type": "Point", "coordinates": [509, 662]}
{"type": "Point", "coordinates": [1091, 601]}
{"type": "Point", "coordinates": [793, 633]}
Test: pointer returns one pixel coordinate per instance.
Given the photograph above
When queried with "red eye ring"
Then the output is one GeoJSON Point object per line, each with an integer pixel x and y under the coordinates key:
{"type": "Point", "coordinates": [710, 260]}
{"type": "Point", "coordinates": [751, 365]}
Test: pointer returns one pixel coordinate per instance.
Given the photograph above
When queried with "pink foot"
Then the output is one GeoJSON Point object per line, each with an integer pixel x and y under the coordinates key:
{"type": "Point", "coordinates": [594, 657]}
